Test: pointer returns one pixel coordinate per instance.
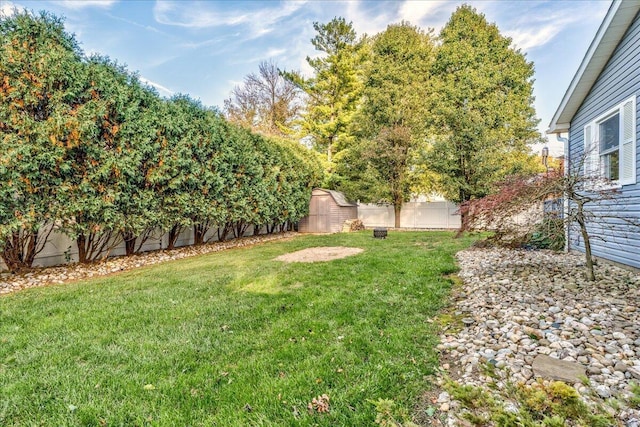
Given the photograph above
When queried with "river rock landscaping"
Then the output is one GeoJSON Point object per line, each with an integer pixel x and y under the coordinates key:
{"type": "Point", "coordinates": [530, 317]}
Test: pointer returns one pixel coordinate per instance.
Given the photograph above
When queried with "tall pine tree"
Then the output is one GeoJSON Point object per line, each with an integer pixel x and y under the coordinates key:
{"type": "Point", "coordinates": [335, 88]}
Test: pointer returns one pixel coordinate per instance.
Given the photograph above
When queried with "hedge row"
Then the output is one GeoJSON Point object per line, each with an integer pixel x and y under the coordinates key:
{"type": "Point", "coordinates": [88, 148]}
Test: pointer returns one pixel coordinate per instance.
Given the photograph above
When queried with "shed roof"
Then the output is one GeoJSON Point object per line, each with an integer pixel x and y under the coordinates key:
{"type": "Point", "coordinates": [339, 197]}
{"type": "Point", "coordinates": [615, 24]}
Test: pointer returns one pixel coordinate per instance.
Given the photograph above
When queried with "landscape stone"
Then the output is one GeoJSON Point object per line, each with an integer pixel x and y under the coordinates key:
{"type": "Point", "coordinates": [634, 372]}
{"type": "Point", "coordinates": [539, 307]}
{"type": "Point", "coordinates": [621, 367]}
{"type": "Point", "coordinates": [548, 367]}
{"type": "Point", "coordinates": [603, 391]}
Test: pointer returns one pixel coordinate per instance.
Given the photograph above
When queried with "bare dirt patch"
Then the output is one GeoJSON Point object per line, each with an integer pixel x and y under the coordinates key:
{"type": "Point", "coordinates": [319, 254]}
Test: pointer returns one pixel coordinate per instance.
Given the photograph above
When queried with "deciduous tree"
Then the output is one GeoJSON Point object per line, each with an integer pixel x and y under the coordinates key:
{"type": "Point", "coordinates": [514, 210]}
{"type": "Point", "coordinates": [265, 102]}
{"type": "Point", "coordinates": [392, 119]}
{"type": "Point", "coordinates": [482, 108]}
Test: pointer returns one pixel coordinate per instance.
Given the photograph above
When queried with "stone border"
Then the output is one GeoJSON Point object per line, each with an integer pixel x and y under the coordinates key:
{"type": "Point", "coordinates": [67, 273]}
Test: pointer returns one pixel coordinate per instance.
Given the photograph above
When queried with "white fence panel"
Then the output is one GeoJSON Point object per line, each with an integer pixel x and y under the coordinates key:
{"type": "Point", "coordinates": [427, 215]}
{"type": "Point", "coordinates": [60, 249]}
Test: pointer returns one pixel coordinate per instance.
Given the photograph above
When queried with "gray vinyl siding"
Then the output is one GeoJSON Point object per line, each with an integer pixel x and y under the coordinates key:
{"type": "Point", "coordinates": [619, 81]}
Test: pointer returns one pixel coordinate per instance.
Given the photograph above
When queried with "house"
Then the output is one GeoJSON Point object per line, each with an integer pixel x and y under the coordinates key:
{"type": "Point", "coordinates": [599, 111]}
{"type": "Point", "coordinates": [328, 210]}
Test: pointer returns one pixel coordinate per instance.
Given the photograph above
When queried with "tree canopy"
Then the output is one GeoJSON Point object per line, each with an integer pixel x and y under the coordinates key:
{"type": "Point", "coordinates": [333, 92]}
{"type": "Point", "coordinates": [391, 120]}
{"type": "Point", "coordinates": [482, 110]}
{"type": "Point", "coordinates": [40, 121]}
{"type": "Point", "coordinates": [265, 102]}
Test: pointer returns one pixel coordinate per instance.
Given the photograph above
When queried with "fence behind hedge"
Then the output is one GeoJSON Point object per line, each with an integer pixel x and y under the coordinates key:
{"type": "Point", "coordinates": [86, 146]}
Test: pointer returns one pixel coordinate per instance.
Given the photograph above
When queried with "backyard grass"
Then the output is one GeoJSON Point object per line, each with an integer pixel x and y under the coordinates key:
{"type": "Point", "coordinates": [232, 338]}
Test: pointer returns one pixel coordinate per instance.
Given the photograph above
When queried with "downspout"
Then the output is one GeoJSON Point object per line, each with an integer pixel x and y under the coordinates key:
{"type": "Point", "coordinates": [565, 202]}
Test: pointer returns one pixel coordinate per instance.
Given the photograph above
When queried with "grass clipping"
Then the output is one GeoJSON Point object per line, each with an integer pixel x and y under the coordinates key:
{"type": "Point", "coordinates": [319, 254]}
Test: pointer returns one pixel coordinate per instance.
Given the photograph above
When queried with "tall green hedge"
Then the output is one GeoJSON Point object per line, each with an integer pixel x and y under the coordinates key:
{"type": "Point", "coordinates": [87, 149]}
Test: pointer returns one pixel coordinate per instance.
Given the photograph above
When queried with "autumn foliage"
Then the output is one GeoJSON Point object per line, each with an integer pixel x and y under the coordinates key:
{"type": "Point", "coordinates": [514, 209]}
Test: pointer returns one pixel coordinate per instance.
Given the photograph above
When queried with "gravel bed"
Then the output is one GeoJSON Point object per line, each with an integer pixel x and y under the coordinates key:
{"type": "Point", "coordinates": [517, 304]}
{"type": "Point", "coordinates": [61, 274]}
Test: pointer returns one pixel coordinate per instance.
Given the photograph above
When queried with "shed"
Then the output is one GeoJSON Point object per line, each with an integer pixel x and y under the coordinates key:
{"type": "Point", "coordinates": [328, 210]}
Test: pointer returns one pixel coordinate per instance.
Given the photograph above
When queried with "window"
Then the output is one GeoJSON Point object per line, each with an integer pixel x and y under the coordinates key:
{"type": "Point", "coordinates": [610, 145]}
{"type": "Point", "coordinates": [609, 131]}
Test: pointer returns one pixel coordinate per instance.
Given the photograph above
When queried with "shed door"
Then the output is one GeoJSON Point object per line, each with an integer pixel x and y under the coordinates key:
{"type": "Point", "coordinates": [320, 218]}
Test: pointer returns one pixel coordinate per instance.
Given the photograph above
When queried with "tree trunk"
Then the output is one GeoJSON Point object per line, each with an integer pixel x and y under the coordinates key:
{"type": "Point", "coordinates": [225, 232]}
{"type": "Point", "coordinates": [20, 250]}
{"type": "Point", "coordinates": [129, 243]}
{"type": "Point", "coordinates": [397, 208]}
{"type": "Point", "coordinates": [11, 254]}
{"type": "Point", "coordinates": [463, 214]}
{"type": "Point", "coordinates": [174, 232]}
{"type": "Point", "coordinates": [30, 253]}
{"type": "Point", "coordinates": [199, 231]}
{"type": "Point", "coordinates": [239, 229]}
{"type": "Point", "coordinates": [81, 242]}
{"type": "Point", "coordinates": [587, 243]}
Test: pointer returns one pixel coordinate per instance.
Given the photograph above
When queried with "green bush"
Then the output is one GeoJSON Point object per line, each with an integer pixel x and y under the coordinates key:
{"type": "Point", "coordinates": [548, 234]}
{"type": "Point", "coordinates": [96, 152]}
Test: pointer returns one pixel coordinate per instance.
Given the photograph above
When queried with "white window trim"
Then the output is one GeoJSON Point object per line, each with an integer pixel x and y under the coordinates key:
{"type": "Point", "coordinates": [601, 153]}
{"type": "Point", "coordinates": [592, 129]}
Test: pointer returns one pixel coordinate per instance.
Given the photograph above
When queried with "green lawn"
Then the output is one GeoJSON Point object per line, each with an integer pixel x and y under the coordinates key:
{"type": "Point", "coordinates": [233, 338]}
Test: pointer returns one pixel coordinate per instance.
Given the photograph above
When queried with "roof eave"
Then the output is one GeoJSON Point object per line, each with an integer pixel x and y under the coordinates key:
{"type": "Point", "coordinates": [559, 128]}
{"type": "Point", "coordinates": [613, 28]}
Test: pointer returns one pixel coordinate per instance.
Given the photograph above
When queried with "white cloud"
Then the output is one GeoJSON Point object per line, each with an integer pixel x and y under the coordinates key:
{"type": "Point", "coordinates": [364, 22]}
{"type": "Point", "coordinates": [163, 90]}
{"type": "Point", "coordinates": [259, 21]}
{"type": "Point", "coordinates": [135, 24]}
{"type": "Point", "coordinates": [81, 4]}
{"type": "Point", "coordinates": [372, 20]}
{"type": "Point", "coordinates": [8, 9]}
{"type": "Point", "coordinates": [271, 53]}
{"type": "Point", "coordinates": [274, 52]}
{"type": "Point", "coordinates": [538, 27]}
{"type": "Point", "coordinates": [529, 38]}
{"type": "Point", "coordinates": [414, 11]}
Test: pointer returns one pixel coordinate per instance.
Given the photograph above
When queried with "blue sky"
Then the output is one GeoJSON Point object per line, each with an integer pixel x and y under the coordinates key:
{"type": "Point", "coordinates": [204, 48]}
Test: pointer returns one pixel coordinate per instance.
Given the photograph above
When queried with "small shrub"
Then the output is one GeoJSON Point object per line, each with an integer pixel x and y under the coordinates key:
{"type": "Point", "coordinates": [548, 234]}
{"type": "Point", "coordinates": [554, 405]}
{"type": "Point", "coordinates": [634, 401]}
{"type": "Point", "coordinates": [389, 414]}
